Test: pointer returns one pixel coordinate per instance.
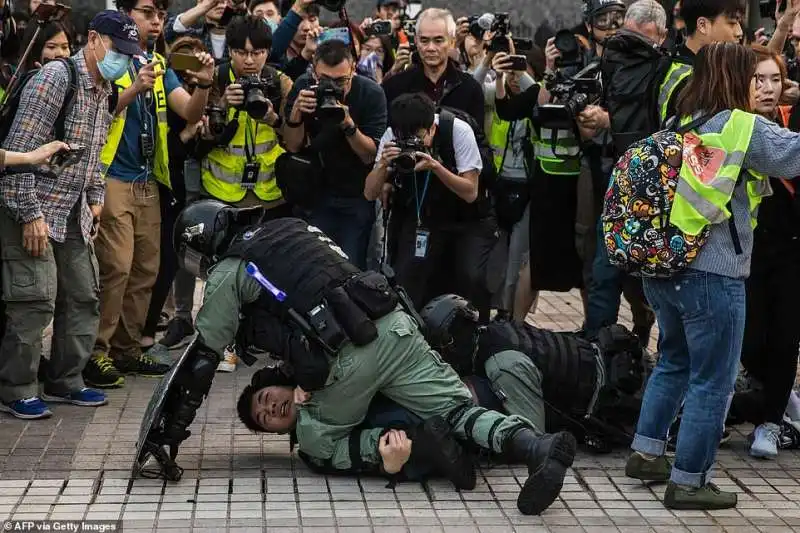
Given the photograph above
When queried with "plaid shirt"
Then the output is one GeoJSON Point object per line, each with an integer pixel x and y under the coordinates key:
{"type": "Point", "coordinates": [31, 195]}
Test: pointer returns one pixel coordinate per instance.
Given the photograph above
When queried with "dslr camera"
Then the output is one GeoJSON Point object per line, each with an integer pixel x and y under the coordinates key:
{"type": "Point", "coordinates": [329, 97]}
{"type": "Point", "coordinates": [217, 121]}
{"type": "Point", "coordinates": [407, 160]}
{"type": "Point", "coordinates": [258, 94]}
{"type": "Point", "coordinates": [572, 95]}
{"type": "Point", "coordinates": [496, 23]}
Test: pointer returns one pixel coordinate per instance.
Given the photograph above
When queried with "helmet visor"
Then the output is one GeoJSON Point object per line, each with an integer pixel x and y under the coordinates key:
{"type": "Point", "coordinates": [609, 20]}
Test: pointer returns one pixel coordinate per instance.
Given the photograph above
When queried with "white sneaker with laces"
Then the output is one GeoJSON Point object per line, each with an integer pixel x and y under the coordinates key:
{"type": "Point", "coordinates": [765, 441]}
{"type": "Point", "coordinates": [228, 363]}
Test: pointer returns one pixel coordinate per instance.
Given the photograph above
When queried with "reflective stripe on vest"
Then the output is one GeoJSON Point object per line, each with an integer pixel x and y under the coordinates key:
{"type": "Point", "coordinates": [709, 175]}
{"type": "Point", "coordinates": [223, 168]}
{"type": "Point", "coordinates": [675, 75]}
{"type": "Point", "coordinates": [161, 156]}
{"type": "Point", "coordinates": [498, 139]}
{"type": "Point", "coordinates": [564, 161]}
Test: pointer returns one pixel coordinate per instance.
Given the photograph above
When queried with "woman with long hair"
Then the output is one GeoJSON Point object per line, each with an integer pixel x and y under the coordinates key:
{"type": "Point", "coordinates": [771, 338]}
{"type": "Point", "coordinates": [53, 42]}
{"type": "Point", "coordinates": [701, 310]}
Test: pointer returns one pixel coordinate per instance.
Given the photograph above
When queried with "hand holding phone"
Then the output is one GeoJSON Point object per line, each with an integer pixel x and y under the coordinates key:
{"type": "Point", "coordinates": [183, 62]}
{"type": "Point", "coordinates": [66, 158]}
{"type": "Point", "coordinates": [518, 62]}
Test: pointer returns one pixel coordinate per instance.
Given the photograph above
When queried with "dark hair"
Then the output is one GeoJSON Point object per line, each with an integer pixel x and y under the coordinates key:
{"type": "Point", "coordinates": [266, 377]}
{"type": "Point", "coordinates": [691, 10]}
{"type": "Point", "coordinates": [410, 113]}
{"type": "Point", "coordinates": [254, 3]}
{"type": "Point", "coordinates": [49, 30]}
{"type": "Point", "coordinates": [720, 81]}
{"type": "Point", "coordinates": [129, 5]}
{"type": "Point", "coordinates": [537, 61]}
{"type": "Point", "coordinates": [388, 51]}
{"type": "Point", "coordinates": [333, 53]}
{"type": "Point", "coordinates": [248, 27]}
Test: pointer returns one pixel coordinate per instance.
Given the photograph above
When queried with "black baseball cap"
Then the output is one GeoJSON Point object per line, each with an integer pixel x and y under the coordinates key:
{"type": "Point", "coordinates": [121, 28]}
{"type": "Point", "coordinates": [398, 3]}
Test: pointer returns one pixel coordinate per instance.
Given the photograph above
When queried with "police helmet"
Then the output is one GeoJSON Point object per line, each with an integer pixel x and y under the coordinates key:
{"type": "Point", "coordinates": [204, 230]}
{"type": "Point", "coordinates": [593, 8]}
{"type": "Point", "coordinates": [451, 326]}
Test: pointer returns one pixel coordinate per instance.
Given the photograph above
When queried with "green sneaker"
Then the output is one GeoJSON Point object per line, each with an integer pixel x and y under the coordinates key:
{"type": "Point", "coordinates": [706, 498]}
{"type": "Point", "coordinates": [657, 469]}
{"type": "Point", "coordinates": [136, 362]}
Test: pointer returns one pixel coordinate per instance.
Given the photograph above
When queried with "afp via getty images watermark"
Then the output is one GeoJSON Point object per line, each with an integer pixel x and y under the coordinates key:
{"type": "Point", "coordinates": [67, 526]}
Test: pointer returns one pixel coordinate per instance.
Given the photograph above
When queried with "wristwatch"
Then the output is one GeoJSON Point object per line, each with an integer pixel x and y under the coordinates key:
{"type": "Point", "coordinates": [349, 131]}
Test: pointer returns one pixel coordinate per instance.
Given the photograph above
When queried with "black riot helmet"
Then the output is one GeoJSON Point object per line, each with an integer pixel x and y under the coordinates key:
{"type": "Point", "coordinates": [451, 327]}
{"type": "Point", "coordinates": [203, 231]}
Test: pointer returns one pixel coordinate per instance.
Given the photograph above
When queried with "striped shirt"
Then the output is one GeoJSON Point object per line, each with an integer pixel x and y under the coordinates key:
{"type": "Point", "coordinates": [30, 195]}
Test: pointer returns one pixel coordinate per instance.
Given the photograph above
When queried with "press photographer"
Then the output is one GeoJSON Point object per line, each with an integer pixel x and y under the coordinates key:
{"type": "Point", "coordinates": [335, 118]}
{"type": "Point", "coordinates": [206, 21]}
{"type": "Point", "coordinates": [240, 169]}
{"type": "Point", "coordinates": [442, 234]}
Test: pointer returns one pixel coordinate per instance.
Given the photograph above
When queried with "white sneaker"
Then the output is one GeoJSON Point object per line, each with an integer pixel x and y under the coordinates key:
{"type": "Point", "coordinates": [793, 407]}
{"type": "Point", "coordinates": [228, 363]}
{"type": "Point", "coordinates": [765, 441]}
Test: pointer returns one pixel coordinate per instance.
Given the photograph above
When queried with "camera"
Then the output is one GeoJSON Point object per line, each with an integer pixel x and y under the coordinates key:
{"type": "Point", "coordinates": [496, 23]}
{"type": "Point", "coordinates": [379, 28]}
{"type": "Point", "coordinates": [329, 95]}
{"type": "Point", "coordinates": [572, 95]}
{"type": "Point", "coordinates": [258, 94]}
{"type": "Point", "coordinates": [566, 43]}
{"type": "Point", "coordinates": [217, 122]}
{"type": "Point", "coordinates": [407, 160]}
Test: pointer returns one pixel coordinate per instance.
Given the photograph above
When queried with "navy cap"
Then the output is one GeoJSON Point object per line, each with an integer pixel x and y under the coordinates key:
{"type": "Point", "coordinates": [121, 28]}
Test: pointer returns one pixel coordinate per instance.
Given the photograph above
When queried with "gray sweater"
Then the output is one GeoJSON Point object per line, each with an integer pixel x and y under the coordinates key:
{"type": "Point", "coordinates": [774, 151]}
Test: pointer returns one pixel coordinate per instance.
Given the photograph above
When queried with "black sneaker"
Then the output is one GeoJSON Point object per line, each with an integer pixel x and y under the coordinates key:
{"type": "Point", "coordinates": [101, 373]}
{"type": "Point", "coordinates": [136, 362]}
{"type": "Point", "coordinates": [179, 333]}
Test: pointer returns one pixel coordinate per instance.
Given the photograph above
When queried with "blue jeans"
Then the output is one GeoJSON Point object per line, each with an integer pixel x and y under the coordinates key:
{"type": "Point", "coordinates": [604, 290]}
{"type": "Point", "coordinates": [348, 221]}
{"type": "Point", "coordinates": [701, 319]}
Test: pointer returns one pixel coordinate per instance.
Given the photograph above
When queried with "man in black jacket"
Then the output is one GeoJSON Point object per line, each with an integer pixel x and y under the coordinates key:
{"type": "Point", "coordinates": [436, 74]}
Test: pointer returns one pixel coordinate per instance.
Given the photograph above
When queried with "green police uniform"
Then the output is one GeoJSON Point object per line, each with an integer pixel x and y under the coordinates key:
{"type": "Point", "coordinates": [399, 363]}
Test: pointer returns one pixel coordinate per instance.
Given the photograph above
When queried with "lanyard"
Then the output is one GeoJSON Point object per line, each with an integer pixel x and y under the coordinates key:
{"type": "Point", "coordinates": [250, 139]}
{"type": "Point", "coordinates": [421, 200]}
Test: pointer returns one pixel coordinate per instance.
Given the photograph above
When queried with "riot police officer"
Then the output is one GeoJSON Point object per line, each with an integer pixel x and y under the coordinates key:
{"type": "Point", "coordinates": [343, 337]}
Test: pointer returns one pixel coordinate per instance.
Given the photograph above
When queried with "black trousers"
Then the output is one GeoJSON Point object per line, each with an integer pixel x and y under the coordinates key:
{"type": "Point", "coordinates": [466, 258]}
{"type": "Point", "coordinates": [772, 334]}
{"type": "Point", "coordinates": [168, 266]}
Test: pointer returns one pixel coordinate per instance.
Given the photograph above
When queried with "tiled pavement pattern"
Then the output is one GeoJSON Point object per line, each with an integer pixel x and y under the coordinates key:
{"type": "Point", "coordinates": [76, 465]}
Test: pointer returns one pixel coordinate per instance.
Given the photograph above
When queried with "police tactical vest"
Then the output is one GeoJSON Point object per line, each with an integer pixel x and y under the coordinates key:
{"type": "Point", "coordinates": [161, 156]}
{"type": "Point", "coordinates": [224, 167]}
{"type": "Point", "coordinates": [297, 258]}
{"type": "Point", "coordinates": [569, 364]}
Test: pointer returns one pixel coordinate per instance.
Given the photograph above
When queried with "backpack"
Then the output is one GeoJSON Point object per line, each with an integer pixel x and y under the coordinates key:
{"type": "Point", "coordinates": [487, 180]}
{"type": "Point", "coordinates": [9, 109]}
{"type": "Point", "coordinates": [633, 70]}
{"type": "Point", "coordinates": [636, 210]}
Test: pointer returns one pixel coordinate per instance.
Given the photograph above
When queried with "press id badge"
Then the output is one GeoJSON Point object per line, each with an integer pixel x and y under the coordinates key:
{"type": "Point", "coordinates": [421, 246]}
{"type": "Point", "coordinates": [250, 176]}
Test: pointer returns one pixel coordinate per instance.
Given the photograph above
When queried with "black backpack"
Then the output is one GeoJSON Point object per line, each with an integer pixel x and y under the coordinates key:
{"type": "Point", "coordinates": [9, 110]}
{"type": "Point", "coordinates": [633, 69]}
{"type": "Point", "coordinates": [444, 146]}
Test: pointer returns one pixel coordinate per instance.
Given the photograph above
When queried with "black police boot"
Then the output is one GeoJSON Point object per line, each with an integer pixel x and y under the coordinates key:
{"type": "Point", "coordinates": [548, 457]}
{"type": "Point", "coordinates": [435, 445]}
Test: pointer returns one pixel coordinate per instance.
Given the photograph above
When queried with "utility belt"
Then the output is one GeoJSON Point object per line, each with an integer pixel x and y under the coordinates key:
{"type": "Point", "coordinates": [348, 311]}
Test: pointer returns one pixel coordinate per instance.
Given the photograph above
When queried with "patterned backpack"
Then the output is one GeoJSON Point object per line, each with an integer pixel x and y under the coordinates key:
{"type": "Point", "coordinates": [638, 235]}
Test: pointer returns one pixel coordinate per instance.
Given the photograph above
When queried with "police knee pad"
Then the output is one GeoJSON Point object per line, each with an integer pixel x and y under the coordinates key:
{"type": "Point", "coordinates": [192, 386]}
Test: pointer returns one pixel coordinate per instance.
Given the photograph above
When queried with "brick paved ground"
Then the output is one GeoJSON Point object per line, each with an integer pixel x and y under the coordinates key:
{"type": "Point", "coordinates": [77, 465]}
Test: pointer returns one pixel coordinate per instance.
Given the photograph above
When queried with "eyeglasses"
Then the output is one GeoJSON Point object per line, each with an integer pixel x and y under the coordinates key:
{"type": "Point", "coordinates": [150, 14]}
{"type": "Point", "coordinates": [609, 20]}
{"type": "Point", "coordinates": [344, 80]}
{"type": "Point", "coordinates": [255, 54]}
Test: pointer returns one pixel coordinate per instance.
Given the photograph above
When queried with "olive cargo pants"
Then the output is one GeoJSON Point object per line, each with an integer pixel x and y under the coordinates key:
{"type": "Point", "coordinates": [60, 285]}
{"type": "Point", "coordinates": [402, 366]}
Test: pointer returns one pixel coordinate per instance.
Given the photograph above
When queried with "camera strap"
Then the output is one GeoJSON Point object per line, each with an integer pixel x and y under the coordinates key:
{"type": "Point", "coordinates": [421, 199]}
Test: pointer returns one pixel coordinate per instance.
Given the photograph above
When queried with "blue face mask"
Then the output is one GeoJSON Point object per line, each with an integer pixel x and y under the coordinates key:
{"type": "Point", "coordinates": [114, 65]}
